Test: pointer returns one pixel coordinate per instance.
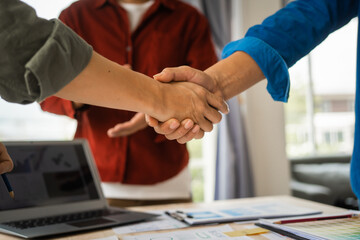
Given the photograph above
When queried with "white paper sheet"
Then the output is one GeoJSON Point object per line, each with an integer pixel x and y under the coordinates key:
{"type": "Point", "coordinates": [162, 222]}
{"type": "Point", "coordinates": [210, 233]}
{"type": "Point", "coordinates": [107, 238]}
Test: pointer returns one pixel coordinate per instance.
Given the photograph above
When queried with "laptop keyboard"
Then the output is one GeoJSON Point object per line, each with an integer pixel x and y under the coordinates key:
{"type": "Point", "coordinates": [31, 223]}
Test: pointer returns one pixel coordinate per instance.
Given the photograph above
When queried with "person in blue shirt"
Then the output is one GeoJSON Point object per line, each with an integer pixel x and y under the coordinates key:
{"type": "Point", "coordinates": [267, 51]}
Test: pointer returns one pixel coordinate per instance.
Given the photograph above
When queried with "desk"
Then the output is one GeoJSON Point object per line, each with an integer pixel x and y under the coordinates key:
{"type": "Point", "coordinates": [285, 199]}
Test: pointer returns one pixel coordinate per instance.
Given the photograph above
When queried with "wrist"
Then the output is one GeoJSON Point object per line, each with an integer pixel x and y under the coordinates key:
{"type": "Point", "coordinates": [217, 82]}
{"type": "Point", "coordinates": [235, 74]}
{"type": "Point", "coordinates": [158, 103]}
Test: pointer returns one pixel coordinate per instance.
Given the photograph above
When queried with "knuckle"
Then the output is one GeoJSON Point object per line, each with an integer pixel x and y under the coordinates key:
{"type": "Point", "coordinates": [184, 67]}
{"type": "Point", "coordinates": [163, 129]}
{"type": "Point", "coordinates": [159, 130]}
{"type": "Point", "coordinates": [201, 91]}
{"type": "Point", "coordinates": [181, 132]}
{"type": "Point", "coordinates": [202, 107]}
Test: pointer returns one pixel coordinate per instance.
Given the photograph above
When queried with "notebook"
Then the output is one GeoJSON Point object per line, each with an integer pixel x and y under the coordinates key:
{"type": "Point", "coordinates": [343, 226]}
{"type": "Point", "coordinates": [57, 190]}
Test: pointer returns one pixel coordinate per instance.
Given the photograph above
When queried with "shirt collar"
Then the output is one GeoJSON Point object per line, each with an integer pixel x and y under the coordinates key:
{"type": "Point", "coordinates": [167, 3]}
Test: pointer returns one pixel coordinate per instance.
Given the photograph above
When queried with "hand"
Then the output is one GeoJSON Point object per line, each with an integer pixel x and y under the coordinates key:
{"type": "Point", "coordinates": [173, 130]}
{"type": "Point", "coordinates": [6, 164]}
{"type": "Point", "coordinates": [135, 124]}
{"type": "Point", "coordinates": [183, 73]}
{"type": "Point", "coordinates": [187, 100]}
{"type": "Point", "coordinates": [186, 73]}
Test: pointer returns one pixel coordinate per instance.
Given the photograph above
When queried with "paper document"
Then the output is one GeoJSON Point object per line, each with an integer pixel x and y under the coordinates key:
{"type": "Point", "coordinates": [162, 222]}
{"type": "Point", "coordinates": [107, 238]}
{"type": "Point", "coordinates": [344, 226]}
{"type": "Point", "coordinates": [243, 212]}
{"type": "Point", "coordinates": [210, 233]}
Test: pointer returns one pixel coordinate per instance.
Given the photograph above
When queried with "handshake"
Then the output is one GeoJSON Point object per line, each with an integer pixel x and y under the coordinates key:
{"type": "Point", "coordinates": [191, 103]}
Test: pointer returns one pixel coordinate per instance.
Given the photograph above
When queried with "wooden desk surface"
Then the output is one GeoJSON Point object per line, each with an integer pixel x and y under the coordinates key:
{"type": "Point", "coordinates": [109, 232]}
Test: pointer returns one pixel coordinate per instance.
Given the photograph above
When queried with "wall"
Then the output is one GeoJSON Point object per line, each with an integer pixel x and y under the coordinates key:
{"type": "Point", "coordinates": [265, 119]}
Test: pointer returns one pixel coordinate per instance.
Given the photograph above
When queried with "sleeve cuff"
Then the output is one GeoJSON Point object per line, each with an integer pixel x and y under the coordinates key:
{"type": "Point", "coordinates": [270, 62]}
{"type": "Point", "coordinates": [62, 57]}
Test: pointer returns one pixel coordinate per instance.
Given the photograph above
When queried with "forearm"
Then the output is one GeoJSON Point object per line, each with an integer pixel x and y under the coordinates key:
{"type": "Point", "coordinates": [235, 74]}
{"type": "Point", "coordinates": [105, 83]}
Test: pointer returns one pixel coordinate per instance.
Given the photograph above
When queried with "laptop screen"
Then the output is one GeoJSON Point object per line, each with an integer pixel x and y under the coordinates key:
{"type": "Point", "coordinates": [48, 174]}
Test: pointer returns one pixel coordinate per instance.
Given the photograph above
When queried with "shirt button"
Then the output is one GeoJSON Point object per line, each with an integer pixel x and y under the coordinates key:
{"type": "Point", "coordinates": [128, 48]}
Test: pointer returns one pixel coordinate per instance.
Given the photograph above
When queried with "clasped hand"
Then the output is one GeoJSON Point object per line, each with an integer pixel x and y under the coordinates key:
{"type": "Point", "coordinates": [190, 106]}
{"type": "Point", "coordinates": [191, 127]}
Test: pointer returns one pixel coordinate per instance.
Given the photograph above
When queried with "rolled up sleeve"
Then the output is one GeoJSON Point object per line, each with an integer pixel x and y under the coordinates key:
{"type": "Point", "coordinates": [39, 57]}
{"type": "Point", "coordinates": [62, 57]}
{"type": "Point", "coordinates": [288, 35]}
{"type": "Point", "coordinates": [270, 62]}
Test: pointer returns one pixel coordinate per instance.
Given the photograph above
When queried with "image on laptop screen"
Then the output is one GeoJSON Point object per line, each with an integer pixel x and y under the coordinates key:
{"type": "Point", "coordinates": [45, 175]}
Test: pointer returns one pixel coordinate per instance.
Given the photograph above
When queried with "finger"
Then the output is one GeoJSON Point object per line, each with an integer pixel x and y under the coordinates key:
{"type": "Point", "coordinates": [190, 135]}
{"type": "Point", "coordinates": [205, 124]}
{"type": "Point", "coordinates": [200, 134]}
{"type": "Point", "coordinates": [136, 123]}
{"type": "Point", "coordinates": [182, 73]}
{"type": "Point", "coordinates": [212, 115]}
{"type": "Point", "coordinates": [218, 103]}
{"type": "Point", "coordinates": [6, 164]}
{"type": "Point", "coordinates": [167, 127]}
{"type": "Point", "coordinates": [152, 122]}
{"type": "Point", "coordinates": [174, 74]}
{"type": "Point", "coordinates": [186, 126]}
{"type": "Point", "coordinates": [122, 129]}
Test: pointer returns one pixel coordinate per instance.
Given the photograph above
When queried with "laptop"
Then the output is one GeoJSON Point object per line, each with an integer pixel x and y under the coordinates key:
{"type": "Point", "coordinates": [57, 190]}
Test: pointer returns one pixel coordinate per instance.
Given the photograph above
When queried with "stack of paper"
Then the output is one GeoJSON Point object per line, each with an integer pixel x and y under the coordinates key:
{"type": "Point", "coordinates": [345, 226]}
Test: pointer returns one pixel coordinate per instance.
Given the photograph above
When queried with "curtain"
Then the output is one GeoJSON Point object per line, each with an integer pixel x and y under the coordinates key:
{"type": "Point", "coordinates": [219, 17]}
{"type": "Point", "coordinates": [233, 167]}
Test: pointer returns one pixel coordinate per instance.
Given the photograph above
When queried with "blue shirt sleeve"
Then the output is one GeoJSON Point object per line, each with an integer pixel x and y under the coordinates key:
{"type": "Point", "coordinates": [288, 35]}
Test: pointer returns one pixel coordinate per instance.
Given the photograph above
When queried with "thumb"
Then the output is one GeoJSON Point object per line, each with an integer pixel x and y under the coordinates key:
{"type": "Point", "coordinates": [182, 73]}
{"type": "Point", "coordinates": [152, 122]}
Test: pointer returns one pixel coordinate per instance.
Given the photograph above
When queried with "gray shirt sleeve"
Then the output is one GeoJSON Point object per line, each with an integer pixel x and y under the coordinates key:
{"type": "Point", "coordinates": [37, 57]}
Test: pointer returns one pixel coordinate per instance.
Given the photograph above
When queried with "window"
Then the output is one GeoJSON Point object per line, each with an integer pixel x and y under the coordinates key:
{"type": "Point", "coordinates": [320, 113]}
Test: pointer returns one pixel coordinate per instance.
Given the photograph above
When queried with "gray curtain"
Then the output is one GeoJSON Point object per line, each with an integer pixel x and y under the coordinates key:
{"type": "Point", "coordinates": [233, 167]}
{"type": "Point", "coordinates": [219, 17]}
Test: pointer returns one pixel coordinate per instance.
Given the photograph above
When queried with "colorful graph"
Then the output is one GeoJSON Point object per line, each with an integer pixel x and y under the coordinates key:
{"type": "Point", "coordinates": [335, 229]}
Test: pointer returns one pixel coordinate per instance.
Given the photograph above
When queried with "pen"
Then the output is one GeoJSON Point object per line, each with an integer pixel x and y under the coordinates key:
{"type": "Point", "coordinates": [316, 218]}
{"type": "Point", "coordinates": [174, 215]}
{"type": "Point", "coordinates": [8, 186]}
{"type": "Point", "coordinates": [187, 215]}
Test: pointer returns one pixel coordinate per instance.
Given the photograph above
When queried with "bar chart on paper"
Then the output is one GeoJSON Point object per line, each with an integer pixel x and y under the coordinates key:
{"type": "Point", "coordinates": [345, 226]}
{"type": "Point", "coordinates": [335, 229]}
